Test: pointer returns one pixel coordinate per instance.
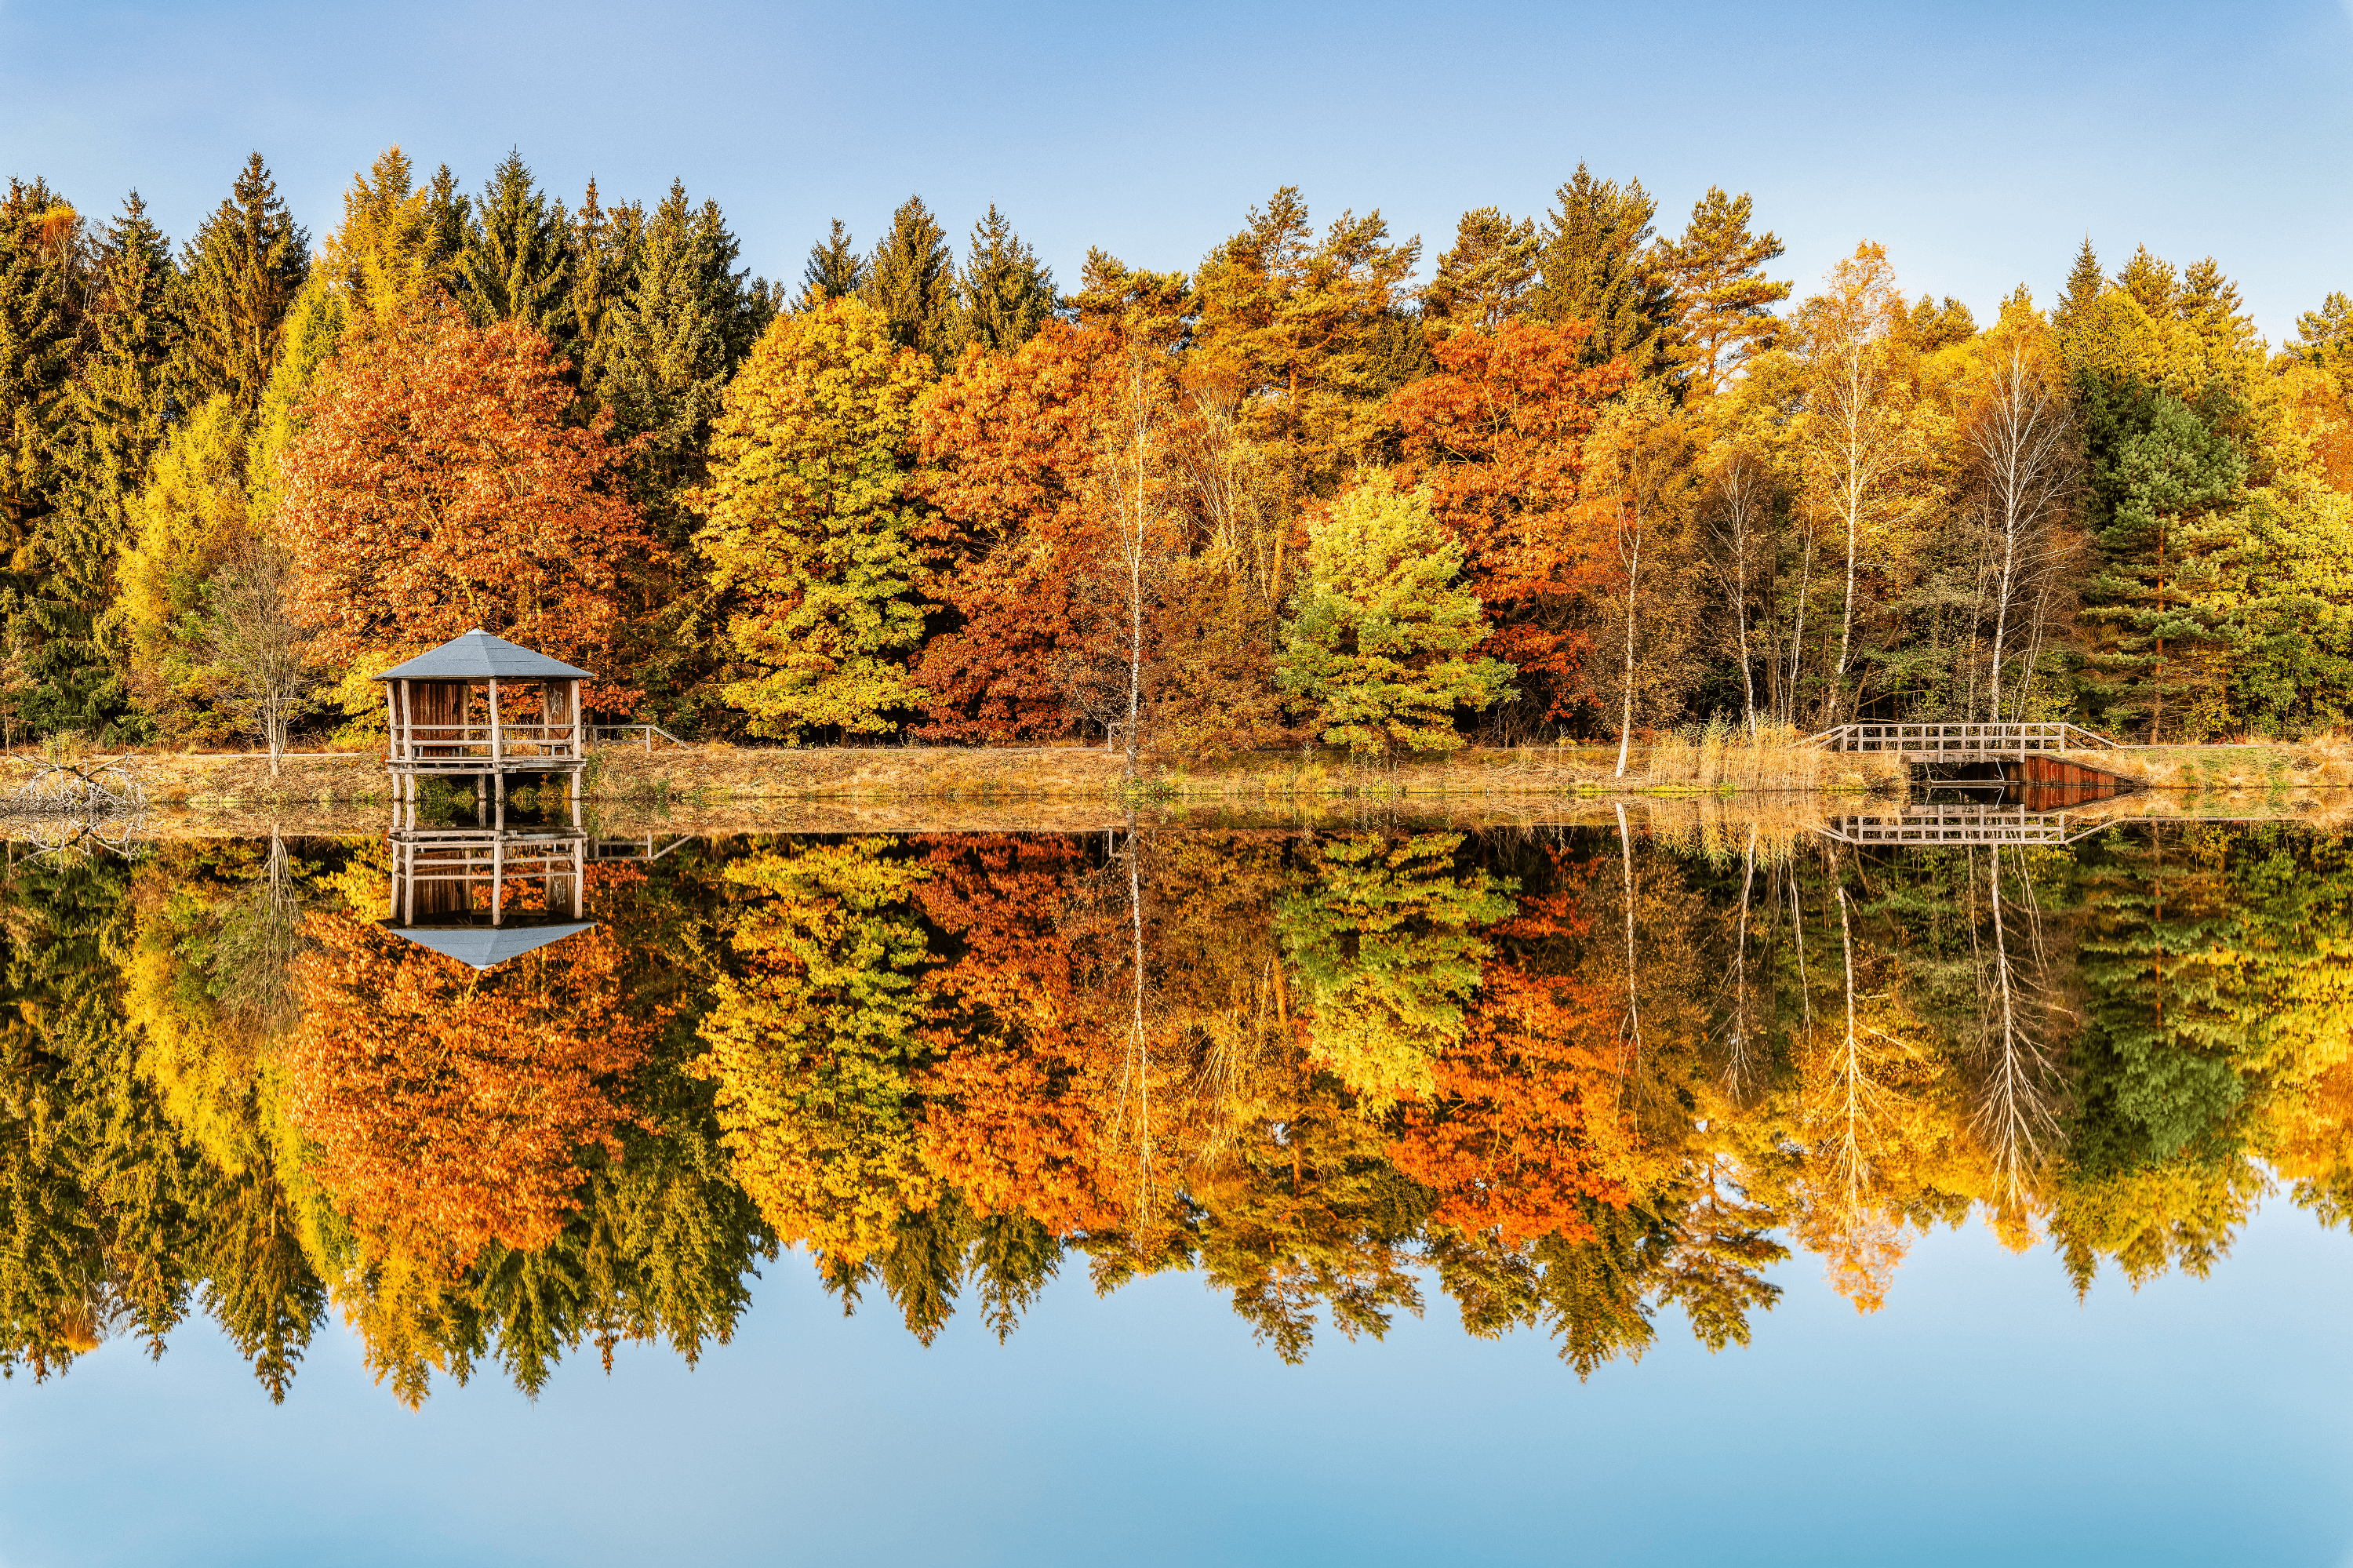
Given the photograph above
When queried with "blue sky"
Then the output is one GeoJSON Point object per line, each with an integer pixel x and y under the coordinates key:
{"type": "Point", "coordinates": [1981, 143]}
{"type": "Point", "coordinates": [1984, 1416]}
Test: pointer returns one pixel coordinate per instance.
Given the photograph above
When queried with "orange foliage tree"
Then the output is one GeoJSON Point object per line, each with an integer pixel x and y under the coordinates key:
{"type": "Point", "coordinates": [451, 1107]}
{"type": "Point", "coordinates": [1522, 1123]}
{"type": "Point", "coordinates": [1013, 443]}
{"type": "Point", "coordinates": [436, 487]}
{"type": "Point", "coordinates": [1012, 1117]}
{"type": "Point", "coordinates": [1498, 437]}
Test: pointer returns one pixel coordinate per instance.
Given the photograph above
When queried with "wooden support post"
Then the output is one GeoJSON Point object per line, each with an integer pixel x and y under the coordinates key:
{"type": "Point", "coordinates": [498, 878]}
{"type": "Point", "coordinates": [579, 872]}
{"type": "Point", "coordinates": [497, 748]}
{"type": "Point", "coordinates": [391, 725]}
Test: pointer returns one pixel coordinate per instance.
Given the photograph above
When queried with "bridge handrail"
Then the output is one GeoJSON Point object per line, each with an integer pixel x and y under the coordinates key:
{"type": "Point", "coordinates": [2019, 736]}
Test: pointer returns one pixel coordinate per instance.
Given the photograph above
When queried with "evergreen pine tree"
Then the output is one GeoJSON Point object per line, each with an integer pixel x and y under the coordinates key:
{"type": "Point", "coordinates": [665, 353]}
{"type": "Point", "coordinates": [1005, 292]}
{"type": "Point", "coordinates": [237, 279]}
{"type": "Point", "coordinates": [1484, 281]}
{"type": "Point", "coordinates": [835, 270]}
{"type": "Point", "coordinates": [2084, 281]}
{"type": "Point", "coordinates": [1722, 299]}
{"type": "Point", "coordinates": [2161, 472]}
{"type": "Point", "coordinates": [42, 277]}
{"type": "Point", "coordinates": [605, 246]}
{"type": "Point", "coordinates": [118, 414]}
{"type": "Point", "coordinates": [910, 282]}
{"type": "Point", "coordinates": [517, 263]}
{"type": "Point", "coordinates": [1600, 267]}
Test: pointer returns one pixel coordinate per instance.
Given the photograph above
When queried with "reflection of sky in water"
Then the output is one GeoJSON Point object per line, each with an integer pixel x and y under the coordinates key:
{"type": "Point", "coordinates": [1983, 1416]}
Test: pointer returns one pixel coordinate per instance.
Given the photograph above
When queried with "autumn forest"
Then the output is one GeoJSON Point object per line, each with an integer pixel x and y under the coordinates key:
{"type": "Point", "coordinates": [1567, 1079]}
{"type": "Point", "coordinates": [1576, 475]}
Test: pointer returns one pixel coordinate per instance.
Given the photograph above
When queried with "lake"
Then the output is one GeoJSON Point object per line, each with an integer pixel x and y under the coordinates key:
{"type": "Point", "coordinates": [1671, 1182]}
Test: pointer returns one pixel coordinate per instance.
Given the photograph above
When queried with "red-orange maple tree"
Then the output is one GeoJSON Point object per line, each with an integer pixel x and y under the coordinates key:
{"type": "Point", "coordinates": [450, 1106]}
{"type": "Point", "coordinates": [436, 487]}
{"type": "Point", "coordinates": [1498, 437]}
{"type": "Point", "coordinates": [1011, 443]}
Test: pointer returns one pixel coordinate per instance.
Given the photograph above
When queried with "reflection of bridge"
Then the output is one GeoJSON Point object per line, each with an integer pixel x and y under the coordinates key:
{"type": "Point", "coordinates": [1924, 743]}
{"type": "Point", "coordinates": [1961, 825]}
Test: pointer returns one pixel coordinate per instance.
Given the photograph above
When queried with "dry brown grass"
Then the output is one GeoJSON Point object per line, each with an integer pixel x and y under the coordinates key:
{"type": "Point", "coordinates": [2324, 763]}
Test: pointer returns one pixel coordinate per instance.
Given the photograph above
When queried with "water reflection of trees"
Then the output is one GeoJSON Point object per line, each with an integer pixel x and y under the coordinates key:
{"type": "Point", "coordinates": [1567, 1079]}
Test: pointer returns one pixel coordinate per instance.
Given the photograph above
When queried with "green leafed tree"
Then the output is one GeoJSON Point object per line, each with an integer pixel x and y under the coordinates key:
{"type": "Point", "coordinates": [814, 527]}
{"type": "Point", "coordinates": [1377, 649]}
{"type": "Point", "coordinates": [237, 279]}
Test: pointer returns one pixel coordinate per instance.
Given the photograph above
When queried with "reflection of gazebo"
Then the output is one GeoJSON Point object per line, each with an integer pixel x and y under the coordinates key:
{"type": "Point", "coordinates": [450, 888]}
{"type": "Point", "coordinates": [482, 707]}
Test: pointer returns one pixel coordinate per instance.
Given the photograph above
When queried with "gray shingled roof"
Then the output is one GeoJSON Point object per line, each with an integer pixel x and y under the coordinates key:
{"type": "Point", "coordinates": [477, 656]}
{"type": "Point", "coordinates": [487, 947]}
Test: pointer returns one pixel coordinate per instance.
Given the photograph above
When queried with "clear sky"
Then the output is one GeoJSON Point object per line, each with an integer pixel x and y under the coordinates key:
{"type": "Point", "coordinates": [1981, 143]}
{"type": "Point", "coordinates": [1983, 1416]}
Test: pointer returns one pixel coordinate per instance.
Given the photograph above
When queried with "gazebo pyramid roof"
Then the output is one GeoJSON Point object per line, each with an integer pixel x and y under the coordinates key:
{"type": "Point", "coordinates": [487, 947]}
{"type": "Point", "coordinates": [477, 656]}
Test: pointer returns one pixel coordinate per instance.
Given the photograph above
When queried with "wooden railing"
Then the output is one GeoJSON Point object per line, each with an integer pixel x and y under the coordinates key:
{"type": "Point", "coordinates": [487, 857]}
{"type": "Point", "coordinates": [1959, 824]}
{"type": "Point", "coordinates": [463, 743]}
{"type": "Point", "coordinates": [1961, 740]}
{"type": "Point", "coordinates": [629, 735]}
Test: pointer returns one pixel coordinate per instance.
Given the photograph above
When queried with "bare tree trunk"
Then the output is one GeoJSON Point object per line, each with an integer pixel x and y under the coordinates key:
{"type": "Point", "coordinates": [1633, 996]}
{"type": "Point", "coordinates": [1631, 555]}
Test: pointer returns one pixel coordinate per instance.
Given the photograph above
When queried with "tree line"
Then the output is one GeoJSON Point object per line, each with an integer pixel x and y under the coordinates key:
{"type": "Point", "coordinates": [1570, 1080]}
{"type": "Point", "coordinates": [1585, 479]}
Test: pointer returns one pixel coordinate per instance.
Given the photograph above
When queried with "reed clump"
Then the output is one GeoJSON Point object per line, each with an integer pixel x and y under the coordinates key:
{"type": "Point", "coordinates": [1722, 754]}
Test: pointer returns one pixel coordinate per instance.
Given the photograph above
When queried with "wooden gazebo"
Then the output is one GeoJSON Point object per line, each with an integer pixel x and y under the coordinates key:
{"type": "Point", "coordinates": [483, 708]}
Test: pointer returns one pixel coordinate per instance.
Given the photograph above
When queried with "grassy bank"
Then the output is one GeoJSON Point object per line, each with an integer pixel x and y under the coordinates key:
{"type": "Point", "coordinates": [688, 776]}
{"type": "Point", "coordinates": [706, 775]}
{"type": "Point", "coordinates": [2311, 764]}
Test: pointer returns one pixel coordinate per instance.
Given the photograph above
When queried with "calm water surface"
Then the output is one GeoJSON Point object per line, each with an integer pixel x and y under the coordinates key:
{"type": "Point", "coordinates": [1665, 1189]}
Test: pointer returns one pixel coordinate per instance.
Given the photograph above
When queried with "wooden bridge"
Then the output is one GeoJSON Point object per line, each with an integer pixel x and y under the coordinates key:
{"type": "Point", "coordinates": [1961, 825]}
{"type": "Point", "coordinates": [1921, 743]}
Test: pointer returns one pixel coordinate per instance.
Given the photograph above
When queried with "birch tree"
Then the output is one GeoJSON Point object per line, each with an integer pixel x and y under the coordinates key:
{"type": "Point", "coordinates": [2024, 453]}
{"type": "Point", "coordinates": [1861, 450]}
{"type": "Point", "coordinates": [1640, 474]}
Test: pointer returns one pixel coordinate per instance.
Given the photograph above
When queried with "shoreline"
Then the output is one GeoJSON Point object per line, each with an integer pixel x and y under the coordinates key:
{"type": "Point", "coordinates": [692, 778]}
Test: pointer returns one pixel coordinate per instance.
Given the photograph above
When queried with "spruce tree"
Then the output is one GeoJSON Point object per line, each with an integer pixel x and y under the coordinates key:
{"type": "Point", "coordinates": [669, 343]}
{"type": "Point", "coordinates": [42, 273]}
{"type": "Point", "coordinates": [1722, 299]}
{"type": "Point", "coordinates": [910, 282]}
{"type": "Point", "coordinates": [517, 264]}
{"type": "Point", "coordinates": [2162, 473]}
{"type": "Point", "coordinates": [835, 269]}
{"type": "Point", "coordinates": [2085, 282]}
{"type": "Point", "coordinates": [605, 252]}
{"type": "Point", "coordinates": [665, 351]}
{"type": "Point", "coordinates": [237, 279]}
{"type": "Point", "coordinates": [118, 423]}
{"type": "Point", "coordinates": [1005, 292]}
{"type": "Point", "coordinates": [1484, 281]}
{"type": "Point", "coordinates": [1599, 266]}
